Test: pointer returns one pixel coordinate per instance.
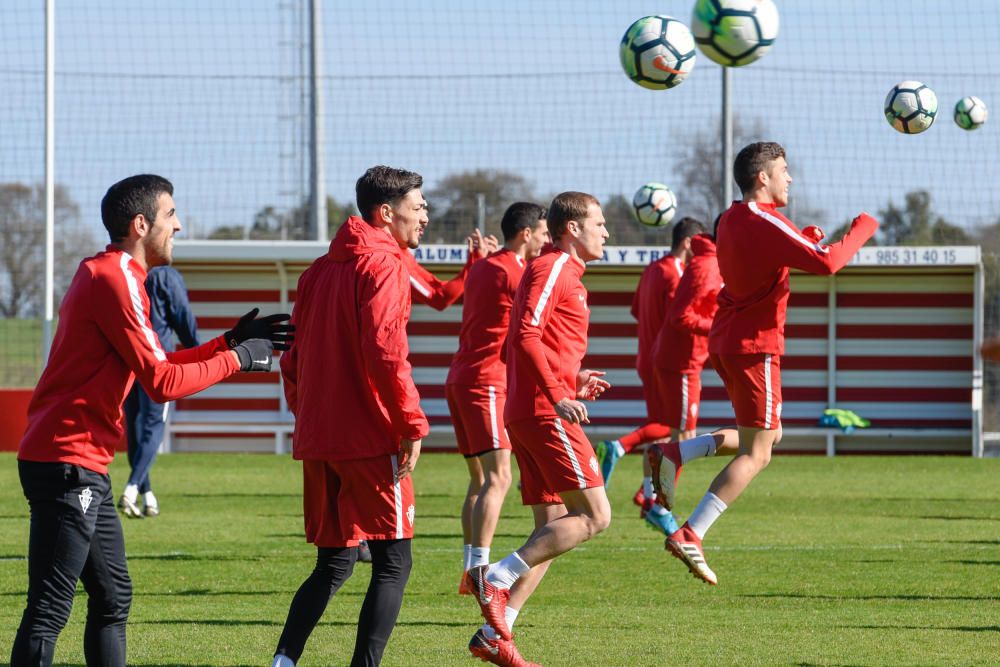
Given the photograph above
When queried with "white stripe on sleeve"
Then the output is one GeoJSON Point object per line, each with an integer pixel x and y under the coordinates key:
{"type": "Point", "coordinates": [140, 314]}
{"type": "Point", "coordinates": [780, 224]}
{"type": "Point", "coordinates": [547, 290]}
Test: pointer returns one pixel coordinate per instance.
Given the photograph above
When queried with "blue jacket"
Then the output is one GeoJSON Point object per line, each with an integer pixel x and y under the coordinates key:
{"type": "Point", "coordinates": [169, 309]}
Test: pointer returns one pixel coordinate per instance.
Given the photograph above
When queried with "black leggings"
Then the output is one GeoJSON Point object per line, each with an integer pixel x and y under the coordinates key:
{"type": "Point", "coordinates": [391, 563]}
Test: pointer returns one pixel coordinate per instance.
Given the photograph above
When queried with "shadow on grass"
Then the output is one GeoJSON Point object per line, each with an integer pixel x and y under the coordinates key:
{"type": "Point", "coordinates": [900, 598]}
{"type": "Point", "coordinates": [236, 495]}
{"type": "Point", "coordinates": [955, 628]}
{"type": "Point", "coordinates": [458, 535]}
{"type": "Point", "coordinates": [233, 622]}
{"type": "Point", "coordinates": [974, 562]}
{"type": "Point", "coordinates": [942, 517]}
{"type": "Point", "coordinates": [193, 557]}
{"type": "Point", "coordinates": [161, 664]}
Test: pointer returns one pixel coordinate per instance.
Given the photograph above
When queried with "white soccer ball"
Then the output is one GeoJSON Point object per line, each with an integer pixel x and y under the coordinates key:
{"type": "Point", "coordinates": [654, 205]}
{"type": "Point", "coordinates": [657, 52]}
{"type": "Point", "coordinates": [735, 32]}
{"type": "Point", "coordinates": [910, 107]}
{"type": "Point", "coordinates": [970, 113]}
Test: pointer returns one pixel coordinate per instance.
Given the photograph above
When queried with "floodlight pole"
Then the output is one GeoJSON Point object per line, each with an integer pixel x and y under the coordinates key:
{"type": "Point", "coordinates": [317, 219]}
{"type": "Point", "coordinates": [50, 186]}
{"type": "Point", "coordinates": [727, 140]}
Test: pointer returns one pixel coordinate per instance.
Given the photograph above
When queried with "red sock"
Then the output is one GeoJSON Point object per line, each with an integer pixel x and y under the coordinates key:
{"type": "Point", "coordinates": [645, 433]}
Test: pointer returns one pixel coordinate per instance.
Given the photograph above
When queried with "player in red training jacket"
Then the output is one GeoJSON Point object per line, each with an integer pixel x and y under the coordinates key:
{"type": "Point", "coordinates": [429, 290]}
{"type": "Point", "coordinates": [358, 421]}
{"type": "Point", "coordinates": [546, 344]}
{"type": "Point", "coordinates": [756, 247]}
{"type": "Point", "coordinates": [103, 343]}
{"type": "Point", "coordinates": [652, 300]}
{"type": "Point", "coordinates": [477, 391]}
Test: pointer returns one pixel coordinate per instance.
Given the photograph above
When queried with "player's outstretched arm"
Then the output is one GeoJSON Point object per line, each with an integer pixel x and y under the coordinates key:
{"type": "Point", "coordinates": [786, 246]}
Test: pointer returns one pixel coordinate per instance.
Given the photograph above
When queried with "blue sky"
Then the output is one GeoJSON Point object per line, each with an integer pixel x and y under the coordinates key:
{"type": "Point", "coordinates": [211, 96]}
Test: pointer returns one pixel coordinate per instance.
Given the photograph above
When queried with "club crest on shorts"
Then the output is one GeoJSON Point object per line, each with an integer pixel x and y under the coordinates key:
{"type": "Point", "coordinates": [410, 513]}
{"type": "Point", "coordinates": [86, 496]}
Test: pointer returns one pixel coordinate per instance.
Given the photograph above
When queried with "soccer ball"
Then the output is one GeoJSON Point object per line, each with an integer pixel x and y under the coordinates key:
{"type": "Point", "coordinates": [734, 32]}
{"type": "Point", "coordinates": [657, 52]}
{"type": "Point", "coordinates": [970, 113]}
{"type": "Point", "coordinates": [654, 205]}
{"type": "Point", "coordinates": [910, 107]}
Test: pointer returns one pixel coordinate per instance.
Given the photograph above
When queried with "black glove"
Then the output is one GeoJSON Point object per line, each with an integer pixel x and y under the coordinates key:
{"type": "Point", "coordinates": [255, 355]}
{"type": "Point", "coordinates": [269, 327]}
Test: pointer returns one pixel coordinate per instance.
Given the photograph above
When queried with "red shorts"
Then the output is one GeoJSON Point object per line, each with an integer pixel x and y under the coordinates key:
{"type": "Point", "coordinates": [477, 415]}
{"type": "Point", "coordinates": [681, 398]}
{"type": "Point", "coordinates": [347, 501]}
{"type": "Point", "coordinates": [753, 382]}
{"type": "Point", "coordinates": [653, 396]}
{"type": "Point", "coordinates": [552, 456]}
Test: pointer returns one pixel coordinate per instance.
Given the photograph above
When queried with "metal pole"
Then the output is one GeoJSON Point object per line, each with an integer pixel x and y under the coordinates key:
{"type": "Point", "coordinates": [317, 223]}
{"type": "Point", "coordinates": [727, 140]}
{"type": "Point", "coordinates": [481, 213]}
{"type": "Point", "coordinates": [50, 164]}
{"type": "Point", "coordinates": [978, 315]}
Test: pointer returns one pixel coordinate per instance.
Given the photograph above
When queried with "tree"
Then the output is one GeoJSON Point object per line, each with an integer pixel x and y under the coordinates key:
{"type": "Point", "coordinates": [22, 246]}
{"type": "Point", "coordinates": [269, 223]}
{"type": "Point", "coordinates": [917, 224]}
{"type": "Point", "coordinates": [454, 206]}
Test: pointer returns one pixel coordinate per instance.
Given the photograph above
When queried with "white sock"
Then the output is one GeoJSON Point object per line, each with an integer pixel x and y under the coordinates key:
{"type": "Point", "coordinates": [466, 557]}
{"type": "Point", "coordinates": [131, 492]}
{"type": "Point", "coordinates": [479, 556]}
{"type": "Point", "coordinates": [697, 447]}
{"type": "Point", "coordinates": [647, 487]}
{"type": "Point", "coordinates": [149, 499]}
{"type": "Point", "coordinates": [510, 615]}
{"type": "Point", "coordinates": [704, 515]}
{"type": "Point", "coordinates": [507, 571]}
{"type": "Point", "coordinates": [282, 660]}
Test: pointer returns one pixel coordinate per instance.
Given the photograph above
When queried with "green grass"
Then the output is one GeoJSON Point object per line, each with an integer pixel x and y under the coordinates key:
{"type": "Point", "coordinates": [20, 352]}
{"type": "Point", "coordinates": [849, 561]}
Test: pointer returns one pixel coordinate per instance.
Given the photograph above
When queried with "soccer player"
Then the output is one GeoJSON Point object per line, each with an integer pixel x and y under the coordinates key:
{"type": "Point", "coordinates": [429, 290]}
{"type": "Point", "coordinates": [104, 342]}
{"type": "Point", "coordinates": [756, 247]}
{"type": "Point", "coordinates": [358, 422]}
{"type": "Point", "coordinates": [560, 478]}
{"type": "Point", "coordinates": [653, 296]}
{"type": "Point", "coordinates": [476, 387]}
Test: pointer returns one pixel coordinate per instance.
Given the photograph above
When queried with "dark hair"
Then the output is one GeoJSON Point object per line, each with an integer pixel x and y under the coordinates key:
{"type": "Point", "coordinates": [135, 195]}
{"type": "Point", "coordinates": [384, 185]}
{"type": "Point", "coordinates": [520, 215]}
{"type": "Point", "coordinates": [685, 228]}
{"type": "Point", "coordinates": [752, 160]}
{"type": "Point", "coordinates": [568, 206]}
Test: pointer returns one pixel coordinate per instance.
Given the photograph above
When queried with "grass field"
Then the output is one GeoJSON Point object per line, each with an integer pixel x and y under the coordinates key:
{"type": "Point", "coordinates": [20, 352]}
{"type": "Point", "coordinates": [847, 561]}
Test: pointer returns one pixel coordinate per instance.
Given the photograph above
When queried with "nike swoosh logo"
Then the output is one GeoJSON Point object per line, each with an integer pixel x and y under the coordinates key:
{"type": "Point", "coordinates": [260, 361]}
{"type": "Point", "coordinates": [660, 63]}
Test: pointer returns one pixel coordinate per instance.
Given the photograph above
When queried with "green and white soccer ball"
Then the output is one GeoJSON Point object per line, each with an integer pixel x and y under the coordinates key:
{"type": "Point", "coordinates": [970, 113]}
{"type": "Point", "coordinates": [657, 52]}
{"type": "Point", "coordinates": [654, 205]}
{"type": "Point", "coordinates": [910, 107]}
{"type": "Point", "coordinates": [735, 32]}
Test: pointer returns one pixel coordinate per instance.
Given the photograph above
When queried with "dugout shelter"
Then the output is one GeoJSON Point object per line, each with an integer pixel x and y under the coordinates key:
{"type": "Point", "coordinates": [892, 337]}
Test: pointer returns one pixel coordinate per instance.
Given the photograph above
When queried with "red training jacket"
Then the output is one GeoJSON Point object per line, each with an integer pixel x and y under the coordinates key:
{"type": "Point", "coordinates": [347, 379]}
{"type": "Point", "coordinates": [656, 288]}
{"type": "Point", "coordinates": [427, 289]}
{"type": "Point", "coordinates": [756, 247]}
{"type": "Point", "coordinates": [682, 346]}
{"type": "Point", "coordinates": [548, 336]}
{"type": "Point", "coordinates": [489, 295]}
{"type": "Point", "coordinates": [103, 342]}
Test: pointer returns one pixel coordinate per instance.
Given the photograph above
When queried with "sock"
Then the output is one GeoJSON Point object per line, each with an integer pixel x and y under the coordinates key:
{"type": "Point", "coordinates": [479, 556]}
{"type": "Point", "coordinates": [510, 615]}
{"type": "Point", "coordinates": [466, 557]}
{"type": "Point", "coordinates": [507, 571]}
{"type": "Point", "coordinates": [645, 433]}
{"type": "Point", "coordinates": [149, 499]}
{"type": "Point", "coordinates": [704, 515]}
{"type": "Point", "coordinates": [282, 660]}
{"type": "Point", "coordinates": [131, 492]}
{"type": "Point", "coordinates": [697, 447]}
{"type": "Point", "coordinates": [647, 487]}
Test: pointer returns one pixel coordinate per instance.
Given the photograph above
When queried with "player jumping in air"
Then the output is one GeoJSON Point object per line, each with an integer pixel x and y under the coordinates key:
{"type": "Point", "coordinates": [560, 478]}
{"type": "Point", "coordinates": [756, 247]}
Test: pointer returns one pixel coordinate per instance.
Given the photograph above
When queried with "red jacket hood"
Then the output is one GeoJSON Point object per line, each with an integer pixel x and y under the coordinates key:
{"type": "Point", "coordinates": [703, 244]}
{"type": "Point", "coordinates": [356, 237]}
